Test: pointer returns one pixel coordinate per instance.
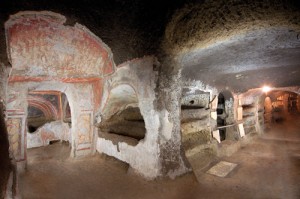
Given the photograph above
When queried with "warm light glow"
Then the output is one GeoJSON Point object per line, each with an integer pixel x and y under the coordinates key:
{"type": "Point", "coordinates": [266, 89]}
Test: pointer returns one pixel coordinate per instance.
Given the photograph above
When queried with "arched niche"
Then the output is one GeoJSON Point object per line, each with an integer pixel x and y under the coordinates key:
{"type": "Point", "coordinates": [41, 110]}
{"type": "Point", "coordinates": [45, 121]}
{"type": "Point", "coordinates": [121, 117]}
{"type": "Point", "coordinates": [47, 54]}
{"type": "Point", "coordinates": [225, 116]}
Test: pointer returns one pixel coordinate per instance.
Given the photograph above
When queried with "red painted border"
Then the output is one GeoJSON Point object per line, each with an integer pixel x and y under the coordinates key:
{"type": "Point", "coordinates": [41, 79]}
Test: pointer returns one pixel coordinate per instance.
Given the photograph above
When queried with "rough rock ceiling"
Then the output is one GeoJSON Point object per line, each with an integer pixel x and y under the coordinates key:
{"type": "Point", "coordinates": [131, 28]}
{"type": "Point", "coordinates": [239, 44]}
{"type": "Point", "coordinates": [270, 56]}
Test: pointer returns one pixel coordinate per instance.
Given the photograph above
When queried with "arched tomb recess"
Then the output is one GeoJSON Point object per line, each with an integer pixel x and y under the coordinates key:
{"type": "Point", "coordinates": [47, 55]}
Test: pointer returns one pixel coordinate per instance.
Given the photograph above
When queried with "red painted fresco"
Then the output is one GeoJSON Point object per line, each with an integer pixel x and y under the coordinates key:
{"type": "Point", "coordinates": [51, 109]}
{"type": "Point", "coordinates": [98, 91]}
{"type": "Point", "coordinates": [40, 46]}
{"type": "Point", "coordinates": [41, 79]}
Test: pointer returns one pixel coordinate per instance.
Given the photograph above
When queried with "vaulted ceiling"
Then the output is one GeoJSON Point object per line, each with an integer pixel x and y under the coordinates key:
{"type": "Point", "coordinates": [237, 44]}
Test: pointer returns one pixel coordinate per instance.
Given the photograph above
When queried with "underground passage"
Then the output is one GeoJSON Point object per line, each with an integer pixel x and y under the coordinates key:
{"type": "Point", "coordinates": [149, 99]}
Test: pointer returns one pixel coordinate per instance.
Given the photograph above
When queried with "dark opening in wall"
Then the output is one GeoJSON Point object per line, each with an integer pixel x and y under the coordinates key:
{"type": "Point", "coordinates": [191, 106]}
{"type": "Point", "coordinates": [129, 123]}
{"type": "Point", "coordinates": [31, 128]}
{"type": "Point", "coordinates": [226, 122]}
{"type": "Point", "coordinates": [53, 142]}
{"type": "Point", "coordinates": [66, 110]}
{"type": "Point", "coordinates": [36, 118]}
{"type": "Point", "coordinates": [221, 116]}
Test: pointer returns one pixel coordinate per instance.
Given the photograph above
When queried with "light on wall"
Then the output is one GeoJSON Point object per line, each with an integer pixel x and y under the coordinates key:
{"type": "Point", "coordinates": [266, 89]}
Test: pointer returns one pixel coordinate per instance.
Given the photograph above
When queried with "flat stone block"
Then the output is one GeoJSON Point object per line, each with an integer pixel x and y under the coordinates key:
{"type": "Point", "coordinates": [222, 169]}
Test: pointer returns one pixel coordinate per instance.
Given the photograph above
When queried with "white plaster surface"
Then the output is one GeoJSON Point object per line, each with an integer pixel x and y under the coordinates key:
{"type": "Point", "coordinates": [56, 130]}
{"type": "Point", "coordinates": [214, 115]}
{"type": "Point", "coordinates": [241, 130]}
{"type": "Point", "coordinates": [144, 157]}
{"type": "Point", "coordinates": [216, 135]}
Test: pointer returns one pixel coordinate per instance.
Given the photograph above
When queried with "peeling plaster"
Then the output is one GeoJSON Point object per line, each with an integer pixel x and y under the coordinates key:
{"type": "Point", "coordinates": [50, 131]}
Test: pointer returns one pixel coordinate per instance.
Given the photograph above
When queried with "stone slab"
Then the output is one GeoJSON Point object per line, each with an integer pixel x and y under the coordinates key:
{"type": "Point", "coordinates": [222, 169]}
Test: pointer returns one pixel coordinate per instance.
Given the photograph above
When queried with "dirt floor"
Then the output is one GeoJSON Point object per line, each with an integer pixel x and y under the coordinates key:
{"type": "Point", "coordinates": [267, 168]}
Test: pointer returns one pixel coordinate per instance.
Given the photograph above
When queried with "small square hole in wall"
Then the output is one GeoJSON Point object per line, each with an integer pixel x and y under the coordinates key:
{"type": "Point", "coordinates": [222, 169]}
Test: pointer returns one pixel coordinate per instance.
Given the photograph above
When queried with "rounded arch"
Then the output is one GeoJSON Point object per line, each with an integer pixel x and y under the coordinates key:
{"type": "Point", "coordinates": [49, 110]}
{"type": "Point", "coordinates": [225, 115]}
{"type": "Point", "coordinates": [119, 98]}
{"type": "Point", "coordinates": [43, 130]}
{"type": "Point", "coordinates": [121, 116]}
{"type": "Point", "coordinates": [226, 94]}
{"type": "Point", "coordinates": [65, 89]}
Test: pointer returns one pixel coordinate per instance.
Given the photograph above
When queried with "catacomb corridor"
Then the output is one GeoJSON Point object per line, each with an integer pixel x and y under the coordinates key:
{"type": "Point", "coordinates": [179, 99]}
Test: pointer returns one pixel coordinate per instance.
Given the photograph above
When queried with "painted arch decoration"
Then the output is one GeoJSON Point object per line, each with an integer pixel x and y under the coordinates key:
{"type": "Point", "coordinates": [49, 110]}
{"type": "Point", "coordinates": [39, 45]}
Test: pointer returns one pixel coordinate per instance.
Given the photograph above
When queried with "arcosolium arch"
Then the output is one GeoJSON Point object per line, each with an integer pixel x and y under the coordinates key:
{"type": "Point", "coordinates": [46, 118]}
{"type": "Point", "coordinates": [121, 116]}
